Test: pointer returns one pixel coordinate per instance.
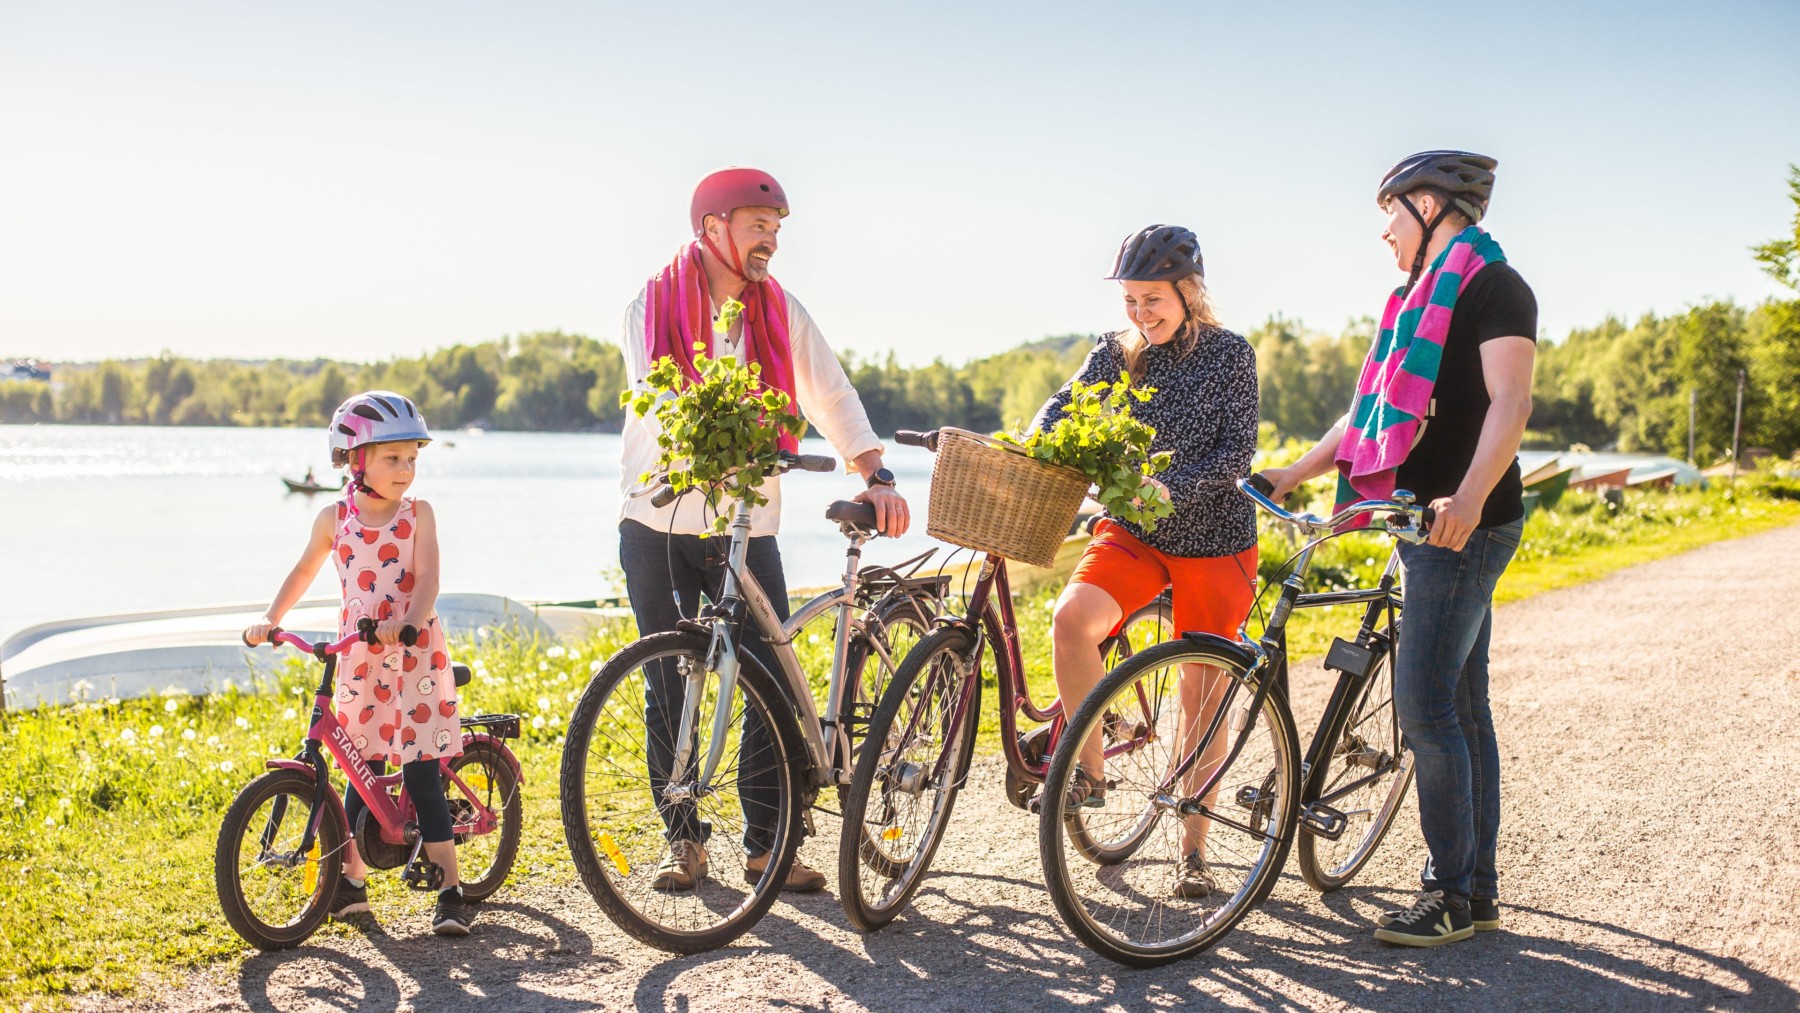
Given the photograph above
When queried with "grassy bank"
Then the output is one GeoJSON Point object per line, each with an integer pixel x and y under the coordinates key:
{"type": "Point", "coordinates": [108, 809]}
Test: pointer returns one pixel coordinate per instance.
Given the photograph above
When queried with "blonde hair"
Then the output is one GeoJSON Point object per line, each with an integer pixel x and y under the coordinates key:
{"type": "Point", "coordinates": [1192, 290]}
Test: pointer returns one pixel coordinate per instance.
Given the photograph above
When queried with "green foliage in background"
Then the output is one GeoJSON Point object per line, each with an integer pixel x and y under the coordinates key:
{"type": "Point", "coordinates": [720, 433]}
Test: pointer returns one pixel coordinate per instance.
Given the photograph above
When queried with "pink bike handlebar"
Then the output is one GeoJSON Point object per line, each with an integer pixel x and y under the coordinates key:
{"type": "Point", "coordinates": [409, 635]}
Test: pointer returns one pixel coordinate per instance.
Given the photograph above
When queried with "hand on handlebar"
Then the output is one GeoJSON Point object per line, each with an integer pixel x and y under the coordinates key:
{"type": "Point", "coordinates": [1282, 481]}
{"type": "Point", "coordinates": [258, 633]}
{"type": "Point", "coordinates": [1454, 521]}
{"type": "Point", "coordinates": [395, 632]}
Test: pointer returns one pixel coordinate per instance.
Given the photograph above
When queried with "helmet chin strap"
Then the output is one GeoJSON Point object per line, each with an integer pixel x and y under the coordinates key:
{"type": "Point", "coordinates": [1418, 264]}
{"type": "Point", "coordinates": [358, 468]}
{"type": "Point", "coordinates": [736, 264]}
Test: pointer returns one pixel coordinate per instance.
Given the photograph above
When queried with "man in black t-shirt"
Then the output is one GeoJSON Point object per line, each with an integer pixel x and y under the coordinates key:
{"type": "Point", "coordinates": [1464, 464]}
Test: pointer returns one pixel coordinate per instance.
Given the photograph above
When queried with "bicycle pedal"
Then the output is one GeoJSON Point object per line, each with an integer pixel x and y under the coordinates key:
{"type": "Point", "coordinates": [1322, 820]}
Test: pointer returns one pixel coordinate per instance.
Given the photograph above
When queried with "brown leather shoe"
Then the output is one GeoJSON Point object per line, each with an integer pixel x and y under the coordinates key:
{"type": "Point", "coordinates": [682, 868]}
{"type": "Point", "coordinates": [800, 878]}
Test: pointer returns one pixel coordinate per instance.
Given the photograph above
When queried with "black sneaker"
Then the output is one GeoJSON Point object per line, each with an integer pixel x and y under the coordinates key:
{"type": "Point", "coordinates": [454, 915]}
{"type": "Point", "coordinates": [349, 899]}
{"type": "Point", "coordinates": [1433, 920]}
{"type": "Point", "coordinates": [1484, 914]}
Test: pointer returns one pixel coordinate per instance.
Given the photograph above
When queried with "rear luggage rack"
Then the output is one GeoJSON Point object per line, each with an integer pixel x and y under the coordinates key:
{"type": "Point", "coordinates": [500, 726]}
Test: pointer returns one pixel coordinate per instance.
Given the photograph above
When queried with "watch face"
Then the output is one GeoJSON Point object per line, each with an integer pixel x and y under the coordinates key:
{"type": "Point", "coordinates": [882, 476]}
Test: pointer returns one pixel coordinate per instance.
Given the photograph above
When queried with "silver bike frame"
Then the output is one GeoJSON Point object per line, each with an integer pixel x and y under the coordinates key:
{"type": "Point", "coordinates": [827, 744]}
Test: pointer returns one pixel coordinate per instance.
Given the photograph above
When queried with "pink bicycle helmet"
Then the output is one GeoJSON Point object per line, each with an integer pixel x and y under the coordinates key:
{"type": "Point", "coordinates": [377, 416]}
{"type": "Point", "coordinates": [723, 191]}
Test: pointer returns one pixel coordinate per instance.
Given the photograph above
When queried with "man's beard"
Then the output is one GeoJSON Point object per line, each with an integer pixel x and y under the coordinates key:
{"type": "Point", "coordinates": [754, 269]}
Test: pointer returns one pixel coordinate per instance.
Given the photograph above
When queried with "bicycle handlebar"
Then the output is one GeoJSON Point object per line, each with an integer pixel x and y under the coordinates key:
{"type": "Point", "coordinates": [365, 634]}
{"type": "Point", "coordinates": [1258, 488]}
{"type": "Point", "coordinates": [910, 438]}
{"type": "Point", "coordinates": [786, 461]}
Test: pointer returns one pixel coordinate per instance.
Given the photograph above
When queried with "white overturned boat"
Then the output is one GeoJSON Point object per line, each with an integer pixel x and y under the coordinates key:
{"type": "Point", "coordinates": [198, 650]}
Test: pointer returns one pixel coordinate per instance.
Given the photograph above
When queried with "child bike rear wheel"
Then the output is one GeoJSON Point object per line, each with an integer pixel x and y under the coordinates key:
{"type": "Point", "coordinates": [483, 860]}
{"type": "Point", "coordinates": [273, 893]}
{"type": "Point", "coordinates": [913, 762]}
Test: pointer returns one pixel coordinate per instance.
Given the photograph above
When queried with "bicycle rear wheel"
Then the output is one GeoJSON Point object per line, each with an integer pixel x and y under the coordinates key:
{"type": "Point", "coordinates": [1369, 771]}
{"type": "Point", "coordinates": [915, 759]}
{"type": "Point", "coordinates": [622, 807]}
{"type": "Point", "coordinates": [272, 892]}
{"type": "Point", "coordinates": [1131, 911]}
{"type": "Point", "coordinates": [1109, 841]}
{"type": "Point", "coordinates": [483, 860]}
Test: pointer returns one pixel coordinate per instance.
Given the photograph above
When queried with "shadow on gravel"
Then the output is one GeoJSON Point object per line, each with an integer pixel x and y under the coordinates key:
{"type": "Point", "coordinates": [429, 971]}
{"type": "Point", "coordinates": [1310, 955]}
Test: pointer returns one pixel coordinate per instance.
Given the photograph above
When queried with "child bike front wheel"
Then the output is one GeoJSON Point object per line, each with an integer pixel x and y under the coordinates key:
{"type": "Point", "coordinates": [274, 892]}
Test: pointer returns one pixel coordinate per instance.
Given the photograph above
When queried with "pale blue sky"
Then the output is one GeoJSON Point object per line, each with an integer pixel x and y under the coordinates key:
{"type": "Point", "coordinates": [366, 180]}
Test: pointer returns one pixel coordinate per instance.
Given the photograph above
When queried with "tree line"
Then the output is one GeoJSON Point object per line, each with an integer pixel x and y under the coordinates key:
{"type": "Point", "coordinates": [1623, 384]}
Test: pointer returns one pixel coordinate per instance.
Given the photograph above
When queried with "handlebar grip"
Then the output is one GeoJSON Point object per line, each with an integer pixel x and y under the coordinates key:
{"type": "Point", "coordinates": [815, 462]}
{"type": "Point", "coordinates": [409, 635]}
{"type": "Point", "coordinates": [910, 438]}
{"type": "Point", "coordinates": [1261, 484]}
{"type": "Point", "coordinates": [1426, 517]}
{"type": "Point", "coordinates": [274, 631]}
{"type": "Point", "coordinates": [663, 497]}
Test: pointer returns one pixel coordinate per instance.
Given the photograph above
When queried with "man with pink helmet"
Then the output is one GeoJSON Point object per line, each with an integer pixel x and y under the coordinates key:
{"type": "Point", "coordinates": [717, 293]}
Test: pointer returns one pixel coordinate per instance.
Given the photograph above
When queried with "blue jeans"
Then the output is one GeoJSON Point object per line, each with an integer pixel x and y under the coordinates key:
{"type": "Point", "coordinates": [665, 576]}
{"type": "Point", "coordinates": [1441, 697]}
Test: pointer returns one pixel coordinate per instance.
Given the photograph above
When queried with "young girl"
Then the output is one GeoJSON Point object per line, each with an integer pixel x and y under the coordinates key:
{"type": "Point", "coordinates": [397, 703]}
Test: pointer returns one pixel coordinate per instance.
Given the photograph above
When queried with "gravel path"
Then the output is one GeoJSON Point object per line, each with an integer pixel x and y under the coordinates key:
{"type": "Point", "coordinates": [1648, 855]}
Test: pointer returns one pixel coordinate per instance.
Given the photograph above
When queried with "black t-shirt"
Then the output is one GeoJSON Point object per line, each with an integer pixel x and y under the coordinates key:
{"type": "Point", "coordinates": [1496, 304]}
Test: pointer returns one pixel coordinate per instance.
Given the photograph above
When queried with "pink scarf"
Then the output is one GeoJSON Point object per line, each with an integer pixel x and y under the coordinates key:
{"type": "Point", "coordinates": [678, 315]}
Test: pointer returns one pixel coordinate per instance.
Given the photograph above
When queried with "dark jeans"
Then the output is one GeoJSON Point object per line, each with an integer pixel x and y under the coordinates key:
{"type": "Point", "coordinates": [1441, 697]}
{"type": "Point", "coordinates": [664, 577]}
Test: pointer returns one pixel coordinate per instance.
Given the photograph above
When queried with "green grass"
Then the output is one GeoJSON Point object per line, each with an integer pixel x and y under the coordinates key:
{"type": "Point", "coordinates": [109, 810]}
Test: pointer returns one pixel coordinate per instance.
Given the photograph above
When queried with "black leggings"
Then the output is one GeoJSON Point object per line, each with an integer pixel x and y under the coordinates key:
{"type": "Point", "coordinates": [427, 790]}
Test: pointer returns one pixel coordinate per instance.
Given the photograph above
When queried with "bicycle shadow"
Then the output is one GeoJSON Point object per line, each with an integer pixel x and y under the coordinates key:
{"type": "Point", "coordinates": [1288, 954]}
{"type": "Point", "coordinates": [513, 947]}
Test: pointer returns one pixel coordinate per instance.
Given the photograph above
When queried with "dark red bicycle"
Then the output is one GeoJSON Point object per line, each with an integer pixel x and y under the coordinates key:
{"type": "Point", "coordinates": [280, 851]}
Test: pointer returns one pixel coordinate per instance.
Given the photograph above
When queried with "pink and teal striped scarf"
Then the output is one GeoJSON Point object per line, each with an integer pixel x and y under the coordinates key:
{"type": "Point", "coordinates": [1393, 393]}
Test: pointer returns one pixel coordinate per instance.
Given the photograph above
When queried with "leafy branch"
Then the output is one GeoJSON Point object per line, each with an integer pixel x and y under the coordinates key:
{"type": "Point", "coordinates": [1098, 437]}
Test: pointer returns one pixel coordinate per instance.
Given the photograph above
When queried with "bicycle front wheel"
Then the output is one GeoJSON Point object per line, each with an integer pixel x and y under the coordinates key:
{"type": "Point", "coordinates": [914, 761]}
{"type": "Point", "coordinates": [1145, 909]}
{"type": "Point", "coordinates": [274, 892]}
{"type": "Point", "coordinates": [633, 823]}
{"type": "Point", "coordinates": [1369, 769]}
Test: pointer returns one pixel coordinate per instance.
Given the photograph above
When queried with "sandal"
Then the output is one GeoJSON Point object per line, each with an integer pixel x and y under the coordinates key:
{"type": "Point", "coordinates": [1086, 791]}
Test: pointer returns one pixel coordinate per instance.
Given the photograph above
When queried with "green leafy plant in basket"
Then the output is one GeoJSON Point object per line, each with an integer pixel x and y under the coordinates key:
{"type": "Point", "coordinates": [1098, 437]}
{"type": "Point", "coordinates": [721, 433]}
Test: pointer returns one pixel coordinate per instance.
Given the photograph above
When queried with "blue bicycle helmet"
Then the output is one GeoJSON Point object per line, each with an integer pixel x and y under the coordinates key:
{"type": "Point", "coordinates": [1158, 253]}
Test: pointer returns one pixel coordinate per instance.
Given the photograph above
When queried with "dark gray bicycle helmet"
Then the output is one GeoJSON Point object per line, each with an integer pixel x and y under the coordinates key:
{"type": "Point", "coordinates": [1463, 181]}
{"type": "Point", "coordinates": [1158, 253]}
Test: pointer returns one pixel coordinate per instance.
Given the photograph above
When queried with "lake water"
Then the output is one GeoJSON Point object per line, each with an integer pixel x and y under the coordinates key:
{"type": "Point", "coordinates": [104, 519]}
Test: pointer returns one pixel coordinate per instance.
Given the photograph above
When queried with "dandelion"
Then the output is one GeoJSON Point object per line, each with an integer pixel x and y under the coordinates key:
{"type": "Point", "coordinates": [225, 766]}
{"type": "Point", "coordinates": [212, 740]}
{"type": "Point", "coordinates": [189, 734]}
{"type": "Point", "coordinates": [290, 714]}
{"type": "Point", "coordinates": [543, 703]}
{"type": "Point", "coordinates": [129, 735]}
{"type": "Point", "coordinates": [556, 652]}
{"type": "Point", "coordinates": [50, 821]}
{"type": "Point", "coordinates": [243, 723]}
{"type": "Point", "coordinates": [543, 666]}
{"type": "Point", "coordinates": [18, 803]}
{"type": "Point", "coordinates": [171, 705]}
{"type": "Point", "coordinates": [63, 803]}
{"type": "Point", "coordinates": [156, 731]}
{"type": "Point", "coordinates": [481, 632]}
{"type": "Point", "coordinates": [537, 723]}
{"type": "Point", "coordinates": [812, 638]}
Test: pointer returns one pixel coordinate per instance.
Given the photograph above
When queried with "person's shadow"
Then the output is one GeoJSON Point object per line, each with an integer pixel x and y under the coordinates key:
{"type": "Point", "coordinates": [496, 967]}
{"type": "Point", "coordinates": [1000, 956]}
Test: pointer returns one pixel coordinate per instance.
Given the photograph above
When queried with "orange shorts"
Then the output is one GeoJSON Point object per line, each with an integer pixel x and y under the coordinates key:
{"type": "Point", "coordinates": [1212, 594]}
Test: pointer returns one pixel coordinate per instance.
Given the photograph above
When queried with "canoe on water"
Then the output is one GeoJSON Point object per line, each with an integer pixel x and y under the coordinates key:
{"type": "Point", "coordinates": [310, 487]}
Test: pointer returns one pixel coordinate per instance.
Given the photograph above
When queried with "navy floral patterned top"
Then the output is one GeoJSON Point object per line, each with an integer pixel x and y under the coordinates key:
{"type": "Point", "coordinates": [1204, 412]}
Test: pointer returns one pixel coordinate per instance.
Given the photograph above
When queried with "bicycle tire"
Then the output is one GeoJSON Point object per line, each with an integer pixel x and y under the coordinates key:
{"type": "Point", "coordinates": [291, 792]}
{"type": "Point", "coordinates": [913, 612]}
{"type": "Point", "coordinates": [1319, 870]}
{"type": "Point", "coordinates": [756, 690]}
{"type": "Point", "coordinates": [1122, 846]}
{"type": "Point", "coordinates": [864, 859]}
{"type": "Point", "coordinates": [1145, 881]}
{"type": "Point", "coordinates": [501, 794]}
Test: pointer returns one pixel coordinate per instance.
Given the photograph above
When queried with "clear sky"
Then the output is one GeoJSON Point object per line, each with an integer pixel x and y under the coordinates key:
{"type": "Point", "coordinates": [362, 180]}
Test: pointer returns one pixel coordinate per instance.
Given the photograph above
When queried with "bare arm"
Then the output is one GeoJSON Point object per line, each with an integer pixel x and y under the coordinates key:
{"type": "Point", "coordinates": [318, 546]}
{"type": "Point", "coordinates": [1506, 365]}
{"type": "Point", "coordinates": [1315, 462]}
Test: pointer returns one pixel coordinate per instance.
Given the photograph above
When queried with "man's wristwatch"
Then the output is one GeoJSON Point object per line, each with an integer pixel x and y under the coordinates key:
{"type": "Point", "coordinates": [881, 476]}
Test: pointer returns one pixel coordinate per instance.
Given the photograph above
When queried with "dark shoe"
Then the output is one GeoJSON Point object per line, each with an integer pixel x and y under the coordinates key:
{"type": "Point", "coordinates": [1196, 879]}
{"type": "Point", "coordinates": [1085, 792]}
{"type": "Point", "coordinates": [1484, 914]}
{"type": "Point", "coordinates": [682, 868]}
{"type": "Point", "coordinates": [1433, 920]}
{"type": "Point", "coordinates": [454, 915]}
{"type": "Point", "coordinates": [801, 878]}
{"type": "Point", "coordinates": [349, 899]}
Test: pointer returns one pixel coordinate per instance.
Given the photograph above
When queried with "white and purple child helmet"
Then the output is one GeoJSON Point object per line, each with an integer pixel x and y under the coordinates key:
{"type": "Point", "coordinates": [377, 416]}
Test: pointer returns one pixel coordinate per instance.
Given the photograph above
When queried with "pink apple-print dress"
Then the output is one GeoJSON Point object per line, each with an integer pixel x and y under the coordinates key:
{"type": "Point", "coordinates": [397, 703]}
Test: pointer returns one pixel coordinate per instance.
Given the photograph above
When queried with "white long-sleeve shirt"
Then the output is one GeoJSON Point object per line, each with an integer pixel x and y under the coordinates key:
{"type": "Point", "coordinates": [822, 390]}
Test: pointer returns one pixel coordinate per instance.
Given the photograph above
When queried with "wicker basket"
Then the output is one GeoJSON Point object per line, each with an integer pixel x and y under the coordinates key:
{"type": "Point", "coordinates": [992, 497]}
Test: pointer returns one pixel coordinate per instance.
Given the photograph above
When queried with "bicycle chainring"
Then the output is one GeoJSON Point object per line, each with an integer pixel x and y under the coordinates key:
{"type": "Point", "coordinates": [375, 851]}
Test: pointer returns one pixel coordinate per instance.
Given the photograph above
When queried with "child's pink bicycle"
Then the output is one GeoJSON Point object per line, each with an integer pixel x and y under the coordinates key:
{"type": "Point", "coordinates": [280, 852]}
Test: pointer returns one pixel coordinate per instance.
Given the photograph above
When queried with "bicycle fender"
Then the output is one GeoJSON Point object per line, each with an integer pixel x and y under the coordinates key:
{"type": "Point", "coordinates": [500, 747]}
{"type": "Point", "coordinates": [1235, 648]}
{"type": "Point", "coordinates": [331, 796]}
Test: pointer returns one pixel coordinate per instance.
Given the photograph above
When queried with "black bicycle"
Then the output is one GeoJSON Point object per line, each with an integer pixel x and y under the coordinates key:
{"type": "Point", "coordinates": [1222, 766]}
